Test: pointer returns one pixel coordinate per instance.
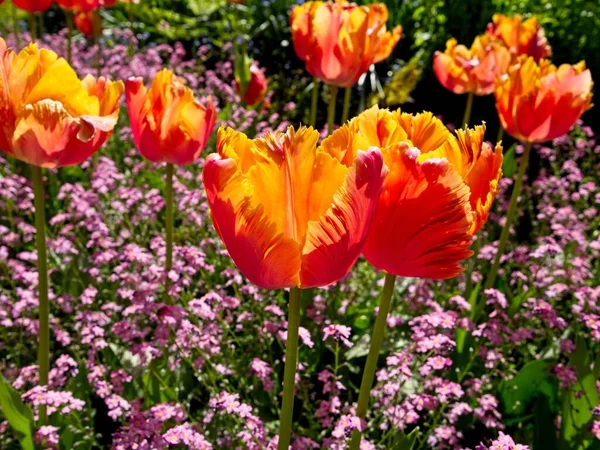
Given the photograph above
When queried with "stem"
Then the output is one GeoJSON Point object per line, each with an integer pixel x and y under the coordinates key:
{"type": "Point", "coordinates": [96, 31]}
{"type": "Point", "coordinates": [374, 349]}
{"type": "Point", "coordinates": [169, 225]}
{"type": "Point", "coordinates": [331, 109]}
{"type": "Point", "coordinates": [314, 102]}
{"type": "Point", "coordinates": [289, 373]}
{"type": "Point", "coordinates": [346, 109]}
{"type": "Point", "coordinates": [130, 17]}
{"type": "Point", "coordinates": [512, 206]}
{"type": "Point", "coordinates": [500, 133]}
{"type": "Point", "coordinates": [16, 27]}
{"type": "Point", "coordinates": [44, 308]}
{"type": "Point", "coordinates": [32, 26]}
{"type": "Point", "coordinates": [471, 267]}
{"type": "Point", "coordinates": [69, 15]}
{"type": "Point", "coordinates": [467, 116]}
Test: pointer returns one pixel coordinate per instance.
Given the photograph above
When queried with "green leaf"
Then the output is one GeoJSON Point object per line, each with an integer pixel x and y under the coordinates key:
{"type": "Point", "coordinates": [543, 437]}
{"type": "Point", "coordinates": [517, 301]}
{"type": "Point", "coordinates": [406, 441]}
{"type": "Point", "coordinates": [579, 401]}
{"type": "Point", "coordinates": [520, 390]}
{"type": "Point", "coordinates": [17, 414]}
{"type": "Point", "coordinates": [509, 163]}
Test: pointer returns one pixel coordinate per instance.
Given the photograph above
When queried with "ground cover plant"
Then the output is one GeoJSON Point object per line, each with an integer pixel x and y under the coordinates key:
{"type": "Point", "coordinates": [219, 229]}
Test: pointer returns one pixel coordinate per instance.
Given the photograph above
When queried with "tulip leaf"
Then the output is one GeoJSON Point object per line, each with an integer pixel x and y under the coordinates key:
{"type": "Point", "coordinates": [509, 163]}
{"type": "Point", "coordinates": [17, 414]}
{"type": "Point", "coordinates": [406, 441]}
{"type": "Point", "coordinates": [579, 401]}
{"type": "Point", "coordinates": [532, 379]}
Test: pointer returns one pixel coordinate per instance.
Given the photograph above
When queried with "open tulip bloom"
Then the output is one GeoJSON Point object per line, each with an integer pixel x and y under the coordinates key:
{"type": "Point", "coordinates": [339, 41]}
{"type": "Point", "coordinates": [537, 102]}
{"type": "Point", "coordinates": [292, 215]}
{"type": "Point", "coordinates": [471, 71]}
{"type": "Point", "coordinates": [170, 126]}
{"type": "Point", "coordinates": [521, 37]}
{"type": "Point", "coordinates": [436, 196]}
{"type": "Point", "coordinates": [51, 119]}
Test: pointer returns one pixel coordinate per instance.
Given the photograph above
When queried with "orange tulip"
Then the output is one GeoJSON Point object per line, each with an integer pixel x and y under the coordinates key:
{"type": "Point", "coordinates": [257, 87]}
{"type": "Point", "coordinates": [437, 195]}
{"type": "Point", "coordinates": [339, 41]}
{"type": "Point", "coordinates": [33, 6]}
{"type": "Point", "coordinates": [521, 37]}
{"type": "Point", "coordinates": [540, 102]}
{"type": "Point", "coordinates": [474, 70]}
{"type": "Point", "coordinates": [167, 122]}
{"type": "Point", "coordinates": [289, 213]}
{"type": "Point", "coordinates": [49, 117]}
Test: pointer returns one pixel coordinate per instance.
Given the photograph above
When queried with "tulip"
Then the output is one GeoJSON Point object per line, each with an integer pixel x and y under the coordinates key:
{"type": "Point", "coordinates": [437, 195]}
{"type": "Point", "coordinates": [291, 215]}
{"type": "Point", "coordinates": [84, 21]}
{"type": "Point", "coordinates": [537, 102]}
{"type": "Point", "coordinates": [169, 125]}
{"type": "Point", "coordinates": [521, 37]}
{"type": "Point", "coordinates": [50, 119]}
{"type": "Point", "coordinates": [473, 71]}
{"type": "Point", "coordinates": [340, 41]}
{"type": "Point", "coordinates": [33, 6]}
{"type": "Point", "coordinates": [256, 88]}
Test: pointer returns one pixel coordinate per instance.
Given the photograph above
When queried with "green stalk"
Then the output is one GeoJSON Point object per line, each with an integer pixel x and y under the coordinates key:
{"type": "Point", "coordinates": [500, 134]}
{"type": "Point", "coordinates": [69, 15]}
{"type": "Point", "coordinates": [169, 225]}
{"type": "Point", "coordinates": [289, 373]}
{"type": "Point", "coordinates": [346, 110]}
{"type": "Point", "coordinates": [374, 349]}
{"type": "Point", "coordinates": [16, 27]}
{"type": "Point", "coordinates": [512, 207]}
{"type": "Point", "coordinates": [37, 179]}
{"type": "Point", "coordinates": [314, 102]}
{"type": "Point", "coordinates": [331, 109]}
{"type": "Point", "coordinates": [471, 267]}
{"type": "Point", "coordinates": [32, 26]}
{"type": "Point", "coordinates": [96, 32]}
{"type": "Point", "coordinates": [467, 116]}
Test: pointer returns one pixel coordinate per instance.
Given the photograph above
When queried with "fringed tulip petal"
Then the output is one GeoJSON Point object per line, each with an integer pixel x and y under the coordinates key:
{"type": "Point", "coordinates": [339, 41]}
{"type": "Point", "coordinates": [291, 213]}
{"type": "Point", "coordinates": [437, 193]}
{"type": "Point", "coordinates": [339, 234]}
{"type": "Point", "coordinates": [422, 224]}
{"type": "Point", "coordinates": [50, 117]}
{"type": "Point", "coordinates": [540, 102]}
{"type": "Point", "coordinates": [460, 69]}
{"type": "Point", "coordinates": [167, 123]}
{"type": "Point", "coordinates": [521, 37]}
{"type": "Point", "coordinates": [261, 251]}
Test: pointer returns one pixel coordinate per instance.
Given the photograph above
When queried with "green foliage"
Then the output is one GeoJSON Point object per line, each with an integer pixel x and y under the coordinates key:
{"type": "Point", "coordinates": [579, 401]}
{"type": "Point", "coordinates": [17, 414]}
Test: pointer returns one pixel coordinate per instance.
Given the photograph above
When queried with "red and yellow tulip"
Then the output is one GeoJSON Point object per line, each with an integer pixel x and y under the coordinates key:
{"type": "Point", "coordinates": [436, 196]}
{"type": "Point", "coordinates": [50, 118]}
{"type": "Point", "coordinates": [463, 70]}
{"type": "Point", "coordinates": [540, 102]}
{"type": "Point", "coordinates": [85, 6]}
{"type": "Point", "coordinates": [33, 6]}
{"type": "Point", "coordinates": [168, 123]}
{"type": "Point", "coordinates": [521, 37]}
{"type": "Point", "coordinates": [290, 213]}
{"type": "Point", "coordinates": [338, 40]}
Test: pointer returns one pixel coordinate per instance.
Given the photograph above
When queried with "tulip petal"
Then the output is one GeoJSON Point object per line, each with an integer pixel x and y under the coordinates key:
{"type": "Point", "coordinates": [421, 228]}
{"type": "Point", "coordinates": [261, 252]}
{"type": "Point", "coordinates": [334, 242]}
